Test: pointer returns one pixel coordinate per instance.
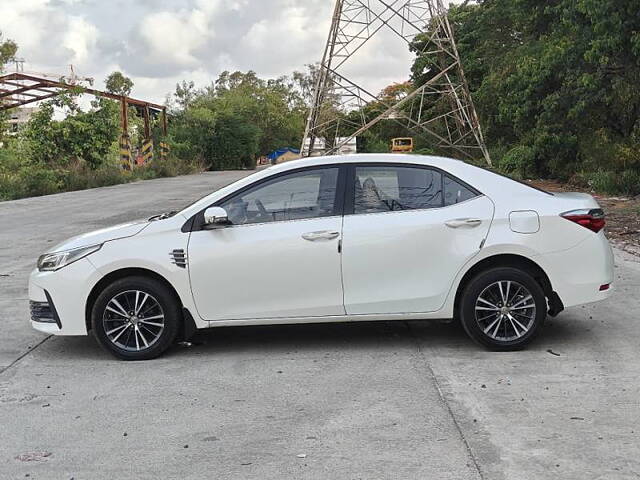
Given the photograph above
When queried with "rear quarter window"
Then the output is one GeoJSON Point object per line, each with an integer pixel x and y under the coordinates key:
{"type": "Point", "coordinates": [456, 192]}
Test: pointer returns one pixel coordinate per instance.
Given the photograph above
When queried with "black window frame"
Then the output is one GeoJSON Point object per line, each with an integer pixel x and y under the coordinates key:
{"type": "Point", "coordinates": [196, 222]}
{"type": "Point", "coordinates": [350, 194]}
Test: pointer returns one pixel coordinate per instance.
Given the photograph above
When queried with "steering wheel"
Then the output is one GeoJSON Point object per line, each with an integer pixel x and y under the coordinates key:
{"type": "Point", "coordinates": [263, 211]}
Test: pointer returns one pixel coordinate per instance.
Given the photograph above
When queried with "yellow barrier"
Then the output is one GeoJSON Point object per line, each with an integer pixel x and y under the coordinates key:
{"type": "Point", "coordinates": [125, 153]}
{"type": "Point", "coordinates": [164, 150]}
{"type": "Point", "coordinates": [147, 152]}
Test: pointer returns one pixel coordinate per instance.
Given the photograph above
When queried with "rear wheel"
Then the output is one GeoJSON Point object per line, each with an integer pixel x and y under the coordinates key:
{"type": "Point", "coordinates": [136, 318]}
{"type": "Point", "coordinates": [503, 308]}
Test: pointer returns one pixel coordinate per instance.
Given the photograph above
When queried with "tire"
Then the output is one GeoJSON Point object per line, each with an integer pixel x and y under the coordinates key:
{"type": "Point", "coordinates": [497, 326]}
{"type": "Point", "coordinates": [140, 335]}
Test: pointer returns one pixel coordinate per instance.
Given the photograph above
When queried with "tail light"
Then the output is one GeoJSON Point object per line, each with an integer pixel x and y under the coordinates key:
{"type": "Point", "coordinates": [591, 218]}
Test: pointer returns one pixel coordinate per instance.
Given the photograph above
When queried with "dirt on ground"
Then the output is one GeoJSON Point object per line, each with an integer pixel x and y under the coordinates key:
{"type": "Point", "coordinates": [622, 214]}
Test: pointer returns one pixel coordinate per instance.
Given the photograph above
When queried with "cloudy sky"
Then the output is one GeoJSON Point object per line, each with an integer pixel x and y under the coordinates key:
{"type": "Point", "coordinates": [160, 42]}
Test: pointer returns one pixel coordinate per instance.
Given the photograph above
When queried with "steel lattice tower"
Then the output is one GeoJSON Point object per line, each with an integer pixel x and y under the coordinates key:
{"type": "Point", "coordinates": [441, 109]}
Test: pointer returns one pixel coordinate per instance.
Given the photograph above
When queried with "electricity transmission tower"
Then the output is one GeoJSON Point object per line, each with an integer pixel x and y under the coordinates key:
{"type": "Point", "coordinates": [440, 110]}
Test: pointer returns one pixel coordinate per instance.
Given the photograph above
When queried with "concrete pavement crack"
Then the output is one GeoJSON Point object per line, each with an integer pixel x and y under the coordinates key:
{"type": "Point", "coordinates": [22, 355]}
{"type": "Point", "coordinates": [444, 400]}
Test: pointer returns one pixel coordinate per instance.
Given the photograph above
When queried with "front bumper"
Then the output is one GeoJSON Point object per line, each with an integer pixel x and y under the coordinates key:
{"type": "Point", "coordinates": [44, 312]}
{"type": "Point", "coordinates": [58, 299]}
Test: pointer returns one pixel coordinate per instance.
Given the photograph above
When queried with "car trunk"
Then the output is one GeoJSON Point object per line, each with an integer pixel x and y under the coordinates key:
{"type": "Point", "coordinates": [575, 200]}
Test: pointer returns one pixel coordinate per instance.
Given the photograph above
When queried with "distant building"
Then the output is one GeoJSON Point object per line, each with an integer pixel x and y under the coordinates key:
{"type": "Point", "coordinates": [349, 148]}
{"type": "Point", "coordinates": [320, 147]}
{"type": "Point", "coordinates": [19, 117]}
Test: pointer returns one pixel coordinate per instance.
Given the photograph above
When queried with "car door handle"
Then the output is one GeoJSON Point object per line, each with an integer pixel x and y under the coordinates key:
{"type": "Point", "coordinates": [321, 235]}
{"type": "Point", "coordinates": [463, 222]}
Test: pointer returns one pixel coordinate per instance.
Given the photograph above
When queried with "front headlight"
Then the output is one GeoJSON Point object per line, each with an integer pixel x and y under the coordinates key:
{"type": "Point", "coordinates": [55, 261]}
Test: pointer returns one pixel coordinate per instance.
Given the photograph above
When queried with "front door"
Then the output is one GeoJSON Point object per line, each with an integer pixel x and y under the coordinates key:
{"type": "Point", "coordinates": [279, 258]}
{"type": "Point", "coordinates": [410, 231]}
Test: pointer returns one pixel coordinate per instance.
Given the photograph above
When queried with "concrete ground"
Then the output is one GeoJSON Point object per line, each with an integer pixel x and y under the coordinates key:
{"type": "Point", "coordinates": [351, 401]}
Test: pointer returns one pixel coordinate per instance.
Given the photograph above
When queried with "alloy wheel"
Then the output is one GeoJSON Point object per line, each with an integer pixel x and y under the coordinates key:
{"type": "Point", "coordinates": [505, 310]}
{"type": "Point", "coordinates": [133, 320]}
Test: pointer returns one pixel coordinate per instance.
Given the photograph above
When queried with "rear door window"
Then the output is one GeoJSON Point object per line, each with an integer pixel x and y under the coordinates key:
{"type": "Point", "coordinates": [396, 188]}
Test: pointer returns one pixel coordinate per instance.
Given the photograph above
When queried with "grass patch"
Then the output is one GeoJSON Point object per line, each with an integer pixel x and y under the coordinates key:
{"type": "Point", "coordinates": [37, 180]}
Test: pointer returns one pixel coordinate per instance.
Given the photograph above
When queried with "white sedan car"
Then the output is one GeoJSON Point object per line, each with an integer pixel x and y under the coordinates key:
{"type": "Point", "coordinates": [333, 239]}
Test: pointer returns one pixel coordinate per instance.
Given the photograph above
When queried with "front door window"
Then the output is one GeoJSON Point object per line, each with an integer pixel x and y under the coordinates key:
{"type": "Point", "coordinates": [296, 196]}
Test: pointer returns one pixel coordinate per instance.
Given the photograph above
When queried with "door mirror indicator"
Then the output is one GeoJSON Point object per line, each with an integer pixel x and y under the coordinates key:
{"type": "Point", "coordinates": [215, 217]}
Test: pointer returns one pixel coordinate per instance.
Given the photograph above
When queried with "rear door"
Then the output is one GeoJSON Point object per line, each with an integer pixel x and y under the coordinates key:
{"type": "Point", "coordinates": [407, 232]}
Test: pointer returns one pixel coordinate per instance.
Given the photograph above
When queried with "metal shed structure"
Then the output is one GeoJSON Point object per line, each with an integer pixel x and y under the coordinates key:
{"type": "Point", "coordinates": [18, 89]}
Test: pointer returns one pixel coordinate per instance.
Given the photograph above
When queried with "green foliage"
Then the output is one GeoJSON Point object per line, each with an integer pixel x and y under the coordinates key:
{"type": "Point", "coordinates": [626, 182]}
{"type": "Point", "coordinates": [518, 162]}
{"type": "Point", "coordinates": [556, 84]}
{"type": "Point", "coordinates": [76, 152]}
{"type": "Point", "coordinates": [84, 137]}
{"type": "Point", "coordinates": [235, 142]}
{"type": "Point", "coordinates": [119, 84]}
{"type": "Point", "coordinates": [30, 180]}
{"type": "Point", "coordinates": [236, 119]}
{"type": "Point", "coordinates": [224, 126]}
{"type": "Point", "coordinates": [370, 143]}
{"type": "Point", "coordinates": [8, 49]}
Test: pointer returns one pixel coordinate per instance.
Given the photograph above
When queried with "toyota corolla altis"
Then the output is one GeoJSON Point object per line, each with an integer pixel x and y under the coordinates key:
{"type": "Point", "coordinates": [333, 239]}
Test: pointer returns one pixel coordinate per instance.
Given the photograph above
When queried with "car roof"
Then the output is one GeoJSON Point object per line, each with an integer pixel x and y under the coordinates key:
{"type": "Point", "coordinates": [410, 159]}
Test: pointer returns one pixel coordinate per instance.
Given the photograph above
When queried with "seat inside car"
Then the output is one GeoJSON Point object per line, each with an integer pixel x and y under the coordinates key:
{"type": "Point", "coordinates": [368, 196]}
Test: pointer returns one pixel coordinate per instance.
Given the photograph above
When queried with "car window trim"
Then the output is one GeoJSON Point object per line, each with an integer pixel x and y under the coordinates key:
{"type": "Point", "coordinates": [196, 222]}
{"type": "Point", "coordinates": [415, 210]}
{"type": "Point", "coordinates": [349, 200]}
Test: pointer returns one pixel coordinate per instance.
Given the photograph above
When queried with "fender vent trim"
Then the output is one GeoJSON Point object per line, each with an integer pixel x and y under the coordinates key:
{"type": "Point", "coordinates": [179, 258]}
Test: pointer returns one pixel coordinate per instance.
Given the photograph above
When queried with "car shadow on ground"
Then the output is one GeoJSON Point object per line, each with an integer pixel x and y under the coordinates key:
{"type": "Point", "coordinates": [278, 339]}
{"type": "Point", "coordinates": [348, 336]}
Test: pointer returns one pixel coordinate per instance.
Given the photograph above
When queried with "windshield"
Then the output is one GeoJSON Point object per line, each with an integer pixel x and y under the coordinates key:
{"type": "Point", "coordinates": [191, 204]}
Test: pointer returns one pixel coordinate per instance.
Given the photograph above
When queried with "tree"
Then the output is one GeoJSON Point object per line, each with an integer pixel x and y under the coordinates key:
{"type": "Point", "coordinates": [556, 84]}
{"type": "Point", "coordinates": [305, 83]}
{"type": "Point", "coordinates": [118, 84]}
{"type": "Point", "coordinates": [8, 49]}
{"type": "Point", "coordinates": [81, 137]}
{"type": "Point", "coordinates": [237, 118]}
{"type": "Point", "coordinates": [185, 93]}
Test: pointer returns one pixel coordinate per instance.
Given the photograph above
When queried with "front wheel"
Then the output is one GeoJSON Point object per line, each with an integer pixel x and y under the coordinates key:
{"type": "Point", "coordinates": [503, 308]}
{"type": "Point", "coordinates": [136, 318]}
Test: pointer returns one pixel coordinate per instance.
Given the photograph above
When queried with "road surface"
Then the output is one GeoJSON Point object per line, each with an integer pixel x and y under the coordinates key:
{"type": "Point", "coordinates": [341, 401]}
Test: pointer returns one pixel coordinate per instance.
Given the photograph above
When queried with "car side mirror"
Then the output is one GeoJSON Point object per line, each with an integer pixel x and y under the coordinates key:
{"type": "Point", "coordinates": [215, 217]}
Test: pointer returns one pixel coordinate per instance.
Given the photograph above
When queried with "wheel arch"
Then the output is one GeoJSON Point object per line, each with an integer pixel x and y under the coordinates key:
{"type": "Point", "coordinates": [117, 275]}
{"type": "Point", "coordinates": [517, 261]}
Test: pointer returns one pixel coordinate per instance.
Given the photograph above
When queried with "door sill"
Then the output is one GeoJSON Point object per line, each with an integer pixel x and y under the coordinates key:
{"type": "Point", "coordinates": [326, 319]}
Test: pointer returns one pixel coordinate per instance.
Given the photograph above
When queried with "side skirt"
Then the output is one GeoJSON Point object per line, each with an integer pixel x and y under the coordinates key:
{"type": "Point", "coordinates": [329, 319]}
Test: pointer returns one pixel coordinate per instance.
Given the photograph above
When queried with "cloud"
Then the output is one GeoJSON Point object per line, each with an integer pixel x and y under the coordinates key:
{"type": "Point", "coordinates": [160, 42]}
{"type": "Point", "coordinates": [48, 38]}
{"type": "Point", "coordinates": [80, 38]}
{"type": "Point", "coordinates": [296, 37]}
{"type": "Point", "coordinates": [172, 38]}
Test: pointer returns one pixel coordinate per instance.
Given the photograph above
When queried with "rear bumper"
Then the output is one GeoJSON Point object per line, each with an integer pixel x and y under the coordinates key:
{"type": "Point", "coordinates": [578, 273]}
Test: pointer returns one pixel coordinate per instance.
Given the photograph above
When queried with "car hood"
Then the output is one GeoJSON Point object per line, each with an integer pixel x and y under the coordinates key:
{"type": "Point", "coordinates": [103, 235]}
